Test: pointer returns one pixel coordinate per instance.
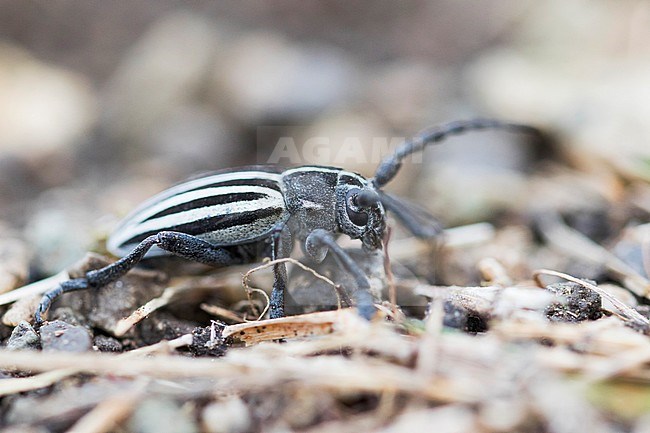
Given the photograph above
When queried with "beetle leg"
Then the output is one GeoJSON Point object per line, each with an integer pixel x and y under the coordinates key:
{"type": "Point", "coordinates": [279, 279]}
{"type": "Point", "coordinates": [281, 247]}
{"type": "Point", "coordinates": [180, 244]}
{"type": "Point", "coordinates": [319, 239]}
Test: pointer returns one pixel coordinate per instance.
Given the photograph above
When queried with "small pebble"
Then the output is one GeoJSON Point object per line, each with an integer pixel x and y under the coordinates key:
{"type": "Point", "coordinates": [104, 343]}
{"type": "Point", "coordinates": [207, 341]}
{"type": "Point", "coordinates": [61, 336]}
{"type": "Point", "coordinates": [230, 416]}
{"type": "Point", "coordinates": [23, 337]}
{"type": "Point", "coordinates": [577, 303]}
{"type": "Point", "coordinates": [162, 416]}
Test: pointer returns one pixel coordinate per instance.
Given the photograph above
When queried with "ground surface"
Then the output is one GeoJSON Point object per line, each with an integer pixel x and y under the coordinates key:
{"type": "Point", "coordinates": [528, 314]}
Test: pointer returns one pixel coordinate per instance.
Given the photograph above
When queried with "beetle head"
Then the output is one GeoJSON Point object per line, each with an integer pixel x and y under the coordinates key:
{"type": "Point", "coordinates": [359, 212]}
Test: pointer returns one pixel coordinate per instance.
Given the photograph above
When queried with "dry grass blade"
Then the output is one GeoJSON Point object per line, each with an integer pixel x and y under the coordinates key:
{"type": "Point", "coordinates": [107, 415]}
{"type": "Point", "coordinates": [22, 384]}
{"type": "Point", "coordinates": [123, 326]}
{"type": "Point", "coordinates": [36, 288]}
{"type": "Point", "coordinates": [243, 370]}
{"type": "Point", "coordinates": [16, 385]}
{"type": "Point", "coordinates": [270, 263]}
{"type": "Point", "coordinates": [222, 313]}
{"type": "Point", "coordinates": [162, 347]}
{"type": "Point", "coordinates": [574, 243]}
{"type": "Point", "coordinates": [304, 325]}
{"type": "Point", "coordinates": [169, 295]}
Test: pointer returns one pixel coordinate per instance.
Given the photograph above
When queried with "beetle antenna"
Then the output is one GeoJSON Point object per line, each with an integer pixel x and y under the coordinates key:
{"type": "Point", "coordinates": [391, 165]}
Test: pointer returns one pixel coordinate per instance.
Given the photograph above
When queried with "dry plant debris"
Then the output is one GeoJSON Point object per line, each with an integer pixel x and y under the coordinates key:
{"type": "Point", "coordinates": [529, 315]}
{"type": "Point", "coordinates": [541, 325]}
{"type": "Point", "coordinates": [523, 357]}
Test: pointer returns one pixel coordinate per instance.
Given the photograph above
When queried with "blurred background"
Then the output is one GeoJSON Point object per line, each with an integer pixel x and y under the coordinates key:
{"type": "Point", "coordinates": [104, 103]}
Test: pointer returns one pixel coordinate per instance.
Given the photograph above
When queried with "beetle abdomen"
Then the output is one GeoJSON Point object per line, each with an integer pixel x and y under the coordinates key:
{"type": "Point", "coordinates": [224, 209]}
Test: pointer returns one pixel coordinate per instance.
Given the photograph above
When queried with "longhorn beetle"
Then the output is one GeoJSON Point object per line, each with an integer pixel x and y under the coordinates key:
{"type": "Point", "coordinates": [237, 217]}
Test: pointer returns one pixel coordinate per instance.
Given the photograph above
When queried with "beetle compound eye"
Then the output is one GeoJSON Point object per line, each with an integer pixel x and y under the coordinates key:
{"type": "Point", "coordinates": [366, 198]}
{"type": "Point", "coordinates": [356, 215]}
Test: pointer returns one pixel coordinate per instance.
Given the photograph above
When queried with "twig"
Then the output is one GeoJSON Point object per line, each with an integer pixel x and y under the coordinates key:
{"type": "Point", "coordinates": [167, 296]}
{"type": "Point", "coordinates": [574, 243]}
{"type": "Point", "coordinates": [35, 288]}
{"type": "Point", "coordinates": [241, 370]}
{"type": "Point", "coordinates": [221, 312]}
{"type": "Point", "coordinates": [123, 326]}
{"type": "Point", "coordinates": [311, 324]}
{"type": "Point", "coordinates": [22, 384]}
{"type": "Point", "coordinates": [645, 249]}
{"type": "Point", "coordinates": [392, 291]}
{"type": "Point", "coordinates": [108, 414]}
{"type": "Point", "coordinates": [247, 275]}
{"type": "Point", "coordinates": [164, 346]}
{"type": "Point", "coordinates": [266, 297]}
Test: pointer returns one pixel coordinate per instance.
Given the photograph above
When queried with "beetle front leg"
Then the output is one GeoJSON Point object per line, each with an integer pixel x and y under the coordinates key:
{"type": "Point", "coordinates": [281, 247]}
{"type": "Point", "coordinates": [180, 244]}
{"type": "Point", "coordinates": [318, 243]}
{"type": "Point", "coordinates": [279, 289]}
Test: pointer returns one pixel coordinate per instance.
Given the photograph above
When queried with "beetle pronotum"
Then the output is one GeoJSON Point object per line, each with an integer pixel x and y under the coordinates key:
{"type": "Point", "coordinates": [240, 216]}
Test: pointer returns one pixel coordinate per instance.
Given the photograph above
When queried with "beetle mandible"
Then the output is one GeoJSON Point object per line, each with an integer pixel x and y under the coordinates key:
{"type": "Point", "coordinates": [240, 216]}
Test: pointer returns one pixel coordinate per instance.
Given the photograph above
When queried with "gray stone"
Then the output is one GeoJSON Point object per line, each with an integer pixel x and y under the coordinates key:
{"type": "Point", "coordinates": [61, 336]}
{"type": "Point", "coordinates": [23, 337]}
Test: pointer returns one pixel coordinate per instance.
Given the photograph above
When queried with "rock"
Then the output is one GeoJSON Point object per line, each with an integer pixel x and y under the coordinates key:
{"type": "Point", "coordinates": [207, 341]}
{"type": "Point", "coordinates": [44, 109]}
{"type": "Point", "coordinates": [161, 416]}
{"type": "Point", "coordinates": [186, 139]}
{"type": "Point", "coordinates": [61, 336]}
{"type": "Point", "coordinates": [163, 326]}
{"type": "Point", "coordinates": [21, 310]}
{"type": "Point", "coordinates": [264, 77]}
{"type": "Point", "coordinates": [631, 247]}
{"type": "Point", "coordinates": [409, 93]}
{"type": "Point", "coordinates": [458, 317]}
{"type": "Point", "coordinates": [67, 315]}
{"type": "Point", "coordinates": [48, 223]}
{"type": "Point", "coordinates": [357, 142]}
{"type": "Point", "coordinates": [23, 337]}
{"type": "Point", "coordinates": [60, 409]}
{"type": "Point", "coordinates": [577, 303]}
{"type": "Point", "coordinates": [14, 260]}
{"type": "Point", "coordinates": [447, 419]}
{"type": "Point", "coordinates": [578, 101]}
{"type": "Point", "coordinates": [104, 343]}
{"type": "Point", "coordinates": [105, 307]}
{"type": "Point", "coordinates": [229, 416]}
{"type": "Point", "coordinates": [151, 81]}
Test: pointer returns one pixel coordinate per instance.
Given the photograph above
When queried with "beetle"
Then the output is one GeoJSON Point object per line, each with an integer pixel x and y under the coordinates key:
{"type": "Point", "coordinates": [240, 216]}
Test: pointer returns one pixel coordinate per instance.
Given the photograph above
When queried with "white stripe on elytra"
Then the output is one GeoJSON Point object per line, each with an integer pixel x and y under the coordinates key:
{"type": "Point", "coordinates": [223, 237]}
{"type": "Point", "coordinates": [189, 216]}
{"type": "Point", "coordinates": [201, 182]}
{"type": "Point", "coordinates": [189, 196]}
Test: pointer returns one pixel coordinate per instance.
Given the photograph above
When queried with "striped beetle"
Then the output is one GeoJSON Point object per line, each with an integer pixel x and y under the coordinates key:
{"type": "Point", "coordinates": [236, 217]}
